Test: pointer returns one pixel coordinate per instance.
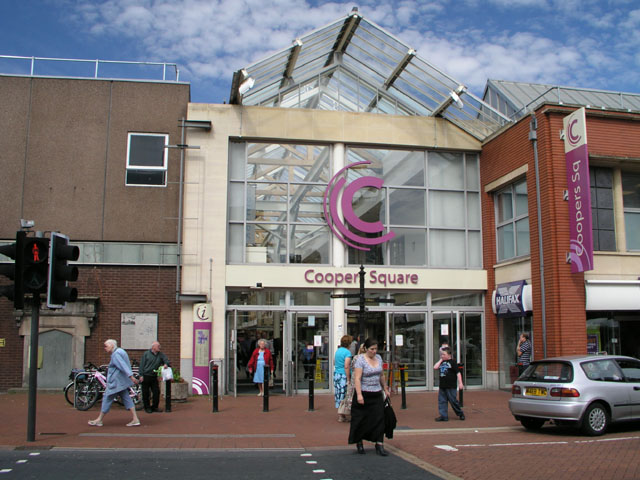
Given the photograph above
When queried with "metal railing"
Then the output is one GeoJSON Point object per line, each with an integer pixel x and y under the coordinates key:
{"type": "Point", "coordinates": [35, 67]}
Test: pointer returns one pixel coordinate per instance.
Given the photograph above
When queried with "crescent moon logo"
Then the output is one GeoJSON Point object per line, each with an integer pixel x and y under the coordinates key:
{"type": "Point", "coordinates": [573, 138]}
{"type": "Point", "coordinates": [330, 206]}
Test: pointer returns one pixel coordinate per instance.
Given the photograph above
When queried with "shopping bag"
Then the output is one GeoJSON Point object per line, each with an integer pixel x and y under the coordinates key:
{"type": "Point", "coordinates": [167, 374]}
{"type": "Point", "coordinates": [345, 404]}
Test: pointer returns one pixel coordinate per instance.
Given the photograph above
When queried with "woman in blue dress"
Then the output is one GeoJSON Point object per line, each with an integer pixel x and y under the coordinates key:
{"type": "Point", "coordinates": [342, 372]}
{"type": "Point", "coordinates": [261, 356]}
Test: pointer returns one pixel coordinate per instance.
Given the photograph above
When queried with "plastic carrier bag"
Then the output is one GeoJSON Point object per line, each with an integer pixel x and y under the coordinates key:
{"type": "Point", "coordinates": [167, 374]}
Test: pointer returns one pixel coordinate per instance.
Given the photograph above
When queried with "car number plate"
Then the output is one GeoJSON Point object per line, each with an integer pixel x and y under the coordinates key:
{"type": "Point", "coordinates": [537, 392]}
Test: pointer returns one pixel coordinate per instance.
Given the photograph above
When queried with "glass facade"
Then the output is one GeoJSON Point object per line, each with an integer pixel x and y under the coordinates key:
{"type": "Point", "coordinates": [429, 200]}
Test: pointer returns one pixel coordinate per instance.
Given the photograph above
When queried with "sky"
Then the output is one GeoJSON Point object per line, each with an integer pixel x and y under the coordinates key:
{"type": "Point", "coordinates": [579, 43]}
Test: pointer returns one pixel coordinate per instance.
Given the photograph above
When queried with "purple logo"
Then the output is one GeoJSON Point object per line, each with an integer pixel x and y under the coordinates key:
{"type": "Point", "coordinates": [573, 138]}
{"type": "Point", "coordinates": [330, 205]}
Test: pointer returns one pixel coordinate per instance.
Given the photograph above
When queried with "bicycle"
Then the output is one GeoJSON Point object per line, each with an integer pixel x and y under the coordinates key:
{"type": "Point", "coordinates": [89, 392]}
{"type": "Point", "coordinates": [77, 376]}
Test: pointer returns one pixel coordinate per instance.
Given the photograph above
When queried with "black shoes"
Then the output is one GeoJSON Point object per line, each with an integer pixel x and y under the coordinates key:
{"type": "Point", "coordinates": [380, 450]}
{"type": "Point", "coordinates": [442, 419]}
{"type": "Point", "coordinates": [148, 410]}
{"type": "Point", "coordinates": [462, 416]}
{"type": "Point", "coordinates": [360, 448]}
{"type": "Point", "coordinates": [158, 410]}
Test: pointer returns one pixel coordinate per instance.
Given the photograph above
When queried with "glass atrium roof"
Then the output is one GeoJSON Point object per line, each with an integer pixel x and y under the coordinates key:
{"type": "Point", "coordinates": [354, 65]}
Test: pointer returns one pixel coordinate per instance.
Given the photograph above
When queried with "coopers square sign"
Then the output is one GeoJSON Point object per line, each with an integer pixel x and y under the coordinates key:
{"type": "Point", "coordinates": [577, 161]}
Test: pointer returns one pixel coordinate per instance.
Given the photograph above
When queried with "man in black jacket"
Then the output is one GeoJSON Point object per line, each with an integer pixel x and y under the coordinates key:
{"type": "Point", "coordinates": [151, 360]}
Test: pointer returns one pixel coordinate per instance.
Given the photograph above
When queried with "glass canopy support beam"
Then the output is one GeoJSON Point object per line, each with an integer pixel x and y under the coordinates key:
{"type": "Point", "coordinates": [287, 77]}
{"type": "Point", "coordinates": [344, 37]}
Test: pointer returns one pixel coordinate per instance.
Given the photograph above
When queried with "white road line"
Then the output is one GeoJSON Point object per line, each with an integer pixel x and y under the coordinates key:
{"type": "Point", "coordinates": [525, 444]}
{"type": "Point", "coordinates": [306, 455]}
{"type": "Point", "coordinates": [448, 448]}
{"type": "Point", "coordinates": [33, 454]}
{"type": "Point", "coordinates": [311, 462]}
{"type": "Point", "coordinates": [6, 470]}
{"type": "Point", "coordinates": [22, 461]}
{"type": "Point", "coordinates": [319, 471]}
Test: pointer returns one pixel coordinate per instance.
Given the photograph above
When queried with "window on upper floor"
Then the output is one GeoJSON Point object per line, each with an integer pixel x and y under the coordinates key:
{"type": "Point", "coordinates": [512, 221]}
{"type": "Point", "coordinates": [631, 205]}
{"type": "Point", "coordinates": [603, 224]}
{"type": "Point", "coordinates": [147, 159]}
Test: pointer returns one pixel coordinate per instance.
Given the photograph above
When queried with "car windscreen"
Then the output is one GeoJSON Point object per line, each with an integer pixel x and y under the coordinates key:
{"type": "Point", "coordinates": [548, 372]}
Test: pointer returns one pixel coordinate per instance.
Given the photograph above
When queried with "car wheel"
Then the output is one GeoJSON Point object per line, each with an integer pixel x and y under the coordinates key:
{"type": "Point", "coordinates": [595, 420]}
{"type": "Point", "coordinates": [531, 423]}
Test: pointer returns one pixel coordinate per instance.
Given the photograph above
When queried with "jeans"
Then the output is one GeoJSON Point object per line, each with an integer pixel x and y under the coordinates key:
{"type": "Point", "coordinates": [448, 395]}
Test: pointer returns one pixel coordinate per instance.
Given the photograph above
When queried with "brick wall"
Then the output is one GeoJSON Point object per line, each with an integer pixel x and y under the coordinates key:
{"type": "Point", "coordinates": [608, 135]}
{"type": "Point", "coordinates": [120, 290]}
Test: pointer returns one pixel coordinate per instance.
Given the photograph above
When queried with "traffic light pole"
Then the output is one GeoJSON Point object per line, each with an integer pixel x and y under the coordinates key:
{"type": "Point", "coordinates": [33, 367]}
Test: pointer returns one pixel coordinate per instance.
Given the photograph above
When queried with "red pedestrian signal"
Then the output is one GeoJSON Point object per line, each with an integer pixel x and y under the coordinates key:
{"type": "Point", "coordinates": [35, 265]}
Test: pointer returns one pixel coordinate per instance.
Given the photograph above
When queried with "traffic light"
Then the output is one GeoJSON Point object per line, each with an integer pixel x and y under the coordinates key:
{"type": "Point", "coordinates": [60, 273]}
{"type": "Point", "coordinates": [35, 267]}
{"type": "Point", "coordinates": [14, 271]}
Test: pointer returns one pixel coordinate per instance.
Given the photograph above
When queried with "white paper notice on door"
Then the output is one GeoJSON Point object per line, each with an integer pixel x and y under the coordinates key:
{"type": "Point", "coordinates": [317, 340]}
{"type": "Point", "coordinates": [399, 340]}
{"type": "Point", "coordinates": [444, 329]}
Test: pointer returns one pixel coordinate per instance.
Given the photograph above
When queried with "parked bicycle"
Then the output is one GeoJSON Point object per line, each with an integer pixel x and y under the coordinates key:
{"type": "Point", "coordinates": [88, 392]}
{"type": "Point", "coordinates": [76, 377]}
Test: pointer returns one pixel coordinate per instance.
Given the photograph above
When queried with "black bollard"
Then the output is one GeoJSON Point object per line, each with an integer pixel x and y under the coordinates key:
{"type": "Point", "coordinates": [403, 369]}
{"type": "Point", "coordinates": [167, 395]}
{"type": "Point", "coordinates": [311, 394]}
{"type": "Point", "coordinates": [214, 387]}
{"type": "Point", "coordinates": [265, 390]}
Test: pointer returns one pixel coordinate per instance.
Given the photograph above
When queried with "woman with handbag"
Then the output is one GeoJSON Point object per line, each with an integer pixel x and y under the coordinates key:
{"type": "Point", "coordinates": [342, 376]}
{"type": "Point", "coordinates": [367, 412]}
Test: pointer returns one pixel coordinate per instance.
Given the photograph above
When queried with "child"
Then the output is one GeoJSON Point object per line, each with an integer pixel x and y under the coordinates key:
{"type": "Point", "coordinates": [447, 389]}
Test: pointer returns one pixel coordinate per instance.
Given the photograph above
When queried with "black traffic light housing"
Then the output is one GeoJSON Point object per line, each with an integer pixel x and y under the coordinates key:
{"type": "Point", "coordinates": [60, 273]}
{"type": "Point", "coordinates": [13, 271]}
{"type": "Point", "coordinates": [35, 267]}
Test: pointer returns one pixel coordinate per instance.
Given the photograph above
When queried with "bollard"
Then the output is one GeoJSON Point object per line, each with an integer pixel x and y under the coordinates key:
{"type": "Point", "coordinates": [265, 389]}
{"type": "Point", "coordinates": [167, 395]}
{"type": "Point", "coordinates": [214, 387]}
{"type": "Point", "coordinates": [403, 368]}
{"type": "Point", "coordinates": [311, 395]}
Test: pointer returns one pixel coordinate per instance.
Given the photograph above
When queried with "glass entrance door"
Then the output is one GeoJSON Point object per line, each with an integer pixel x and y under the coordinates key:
{"type": "Point", "coordinates": [463, 333]}
{"type": "Point", "coordinates": [233, 363]}
{"type": "Point", "coordinates": [244, 329]}
{"type": "Point", "coordinates": [408, 347]}
{"type": "Point", "coordinates": [312, 350]}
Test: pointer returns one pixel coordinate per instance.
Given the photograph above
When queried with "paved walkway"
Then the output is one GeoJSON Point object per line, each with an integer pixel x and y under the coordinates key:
{"type": "Point", "coordinates": [239, 423]}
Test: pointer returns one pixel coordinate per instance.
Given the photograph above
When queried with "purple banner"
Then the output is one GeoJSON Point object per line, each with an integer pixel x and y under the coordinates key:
{"type": "Point", "coordinates": [201, 357]}
{"type": "Point", "coordinates": [581, 232]}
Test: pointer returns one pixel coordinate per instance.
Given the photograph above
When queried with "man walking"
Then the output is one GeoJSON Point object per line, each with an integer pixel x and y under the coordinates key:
{"type": "Point", "coordinates": [150, 362]}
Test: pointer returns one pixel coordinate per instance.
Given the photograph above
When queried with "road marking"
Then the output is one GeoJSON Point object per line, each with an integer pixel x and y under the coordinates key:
{"type": "Point", "coordinates": [22, 461]}
{"type": "Point", "coordinates": [311, 462]}
{"type": "Point", "coordinates": [525, 444]}
{"type": "Point", "coordinates": [319, 471]}
{"type": "Point", "coordinates": [306, 455]}
{"type": "Point", "coordinates": [5, 470]}
{"type": "Point", "coordinates": [448, 448]}
{"type": "Point", "coordinates": [33, 454]}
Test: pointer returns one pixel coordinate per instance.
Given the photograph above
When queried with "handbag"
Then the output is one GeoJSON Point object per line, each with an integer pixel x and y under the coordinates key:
{"type": "Point", "coordinates": [390, 420]}
{"type": "Point", "coordinates": [345, 404]}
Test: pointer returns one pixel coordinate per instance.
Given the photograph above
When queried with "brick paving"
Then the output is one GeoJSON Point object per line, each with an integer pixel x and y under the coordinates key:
{"type": "Point", "coordinates": [489, 444]}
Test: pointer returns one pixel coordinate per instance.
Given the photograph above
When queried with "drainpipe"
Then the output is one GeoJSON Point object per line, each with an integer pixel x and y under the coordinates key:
{"type": "Point", "coordinates": [533, 137]}
{"type": "Point", "coordinates": [180, 194]}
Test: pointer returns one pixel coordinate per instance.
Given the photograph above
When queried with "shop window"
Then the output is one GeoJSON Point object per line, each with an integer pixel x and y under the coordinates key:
{"type": "Point", "coordinates": [147, 159]}
{"type": "Point", "coordinates": [631, 204]}
{"type": "Point", "coordinates": [604, 238]}
{"type": "Point", "coordinates": [512, 221]}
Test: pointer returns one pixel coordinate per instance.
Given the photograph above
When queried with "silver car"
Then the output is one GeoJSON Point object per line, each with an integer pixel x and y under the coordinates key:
{"type": "Point", "coordinates": [588, 391]}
